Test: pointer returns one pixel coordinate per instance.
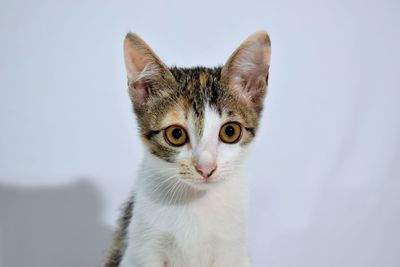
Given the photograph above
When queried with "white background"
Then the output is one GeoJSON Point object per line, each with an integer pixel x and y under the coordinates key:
{"type": "Point", "coordinates": [325, 169]}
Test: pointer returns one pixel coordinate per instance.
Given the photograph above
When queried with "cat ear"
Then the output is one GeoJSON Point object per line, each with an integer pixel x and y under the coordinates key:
{"type": "Point", "coordinates": [148, 77]}
{"type": "Point", "coordinates": [246, 71]}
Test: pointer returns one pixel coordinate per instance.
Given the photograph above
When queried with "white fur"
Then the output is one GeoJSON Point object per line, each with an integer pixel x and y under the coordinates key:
{"type": "Point", "coordinates": [181, 221]}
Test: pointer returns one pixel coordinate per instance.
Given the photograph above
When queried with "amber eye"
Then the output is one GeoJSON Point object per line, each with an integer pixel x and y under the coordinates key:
{"type": "Point", "coordinates": [175, 135]}
{"type": "Point", "coordinates": [230, 132]}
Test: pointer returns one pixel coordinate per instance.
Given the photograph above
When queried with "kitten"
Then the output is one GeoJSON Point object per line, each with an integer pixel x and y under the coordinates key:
{"type": "Point", "coordinates": [188, 209]}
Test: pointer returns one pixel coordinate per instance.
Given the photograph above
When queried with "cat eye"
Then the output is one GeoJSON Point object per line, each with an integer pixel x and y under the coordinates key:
{"type": "Point", "coordinates": [175, 135]}
{"type": "Point", "coordinates": [230, 132]}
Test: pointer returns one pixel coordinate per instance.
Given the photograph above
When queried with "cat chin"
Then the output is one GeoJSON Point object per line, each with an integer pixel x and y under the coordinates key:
{"type": "Point", "coordinates": [201, 184]}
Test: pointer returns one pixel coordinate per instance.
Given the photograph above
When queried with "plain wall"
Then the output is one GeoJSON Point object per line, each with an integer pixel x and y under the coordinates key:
{"type": "Point", "coordinates": [325, 169]}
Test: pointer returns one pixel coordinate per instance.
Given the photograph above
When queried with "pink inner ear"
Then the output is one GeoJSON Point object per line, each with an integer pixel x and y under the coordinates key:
{"type": "Point", "coordinates": [256, 88]}
{"type": "Point", "coordinates": [135, 59]}
{"type": "Point", "coordinates": [139, 91]}
{"type": "Point", "coordinates": [252, 84]}
{"type": "Point", "coordinates": [247, 69]}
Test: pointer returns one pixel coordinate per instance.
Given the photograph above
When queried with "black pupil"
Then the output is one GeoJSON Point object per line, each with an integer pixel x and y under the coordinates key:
{"type": "Point", "coordinates": [229, 130]}
{"type": "Point", "coordinates": [177, 133]}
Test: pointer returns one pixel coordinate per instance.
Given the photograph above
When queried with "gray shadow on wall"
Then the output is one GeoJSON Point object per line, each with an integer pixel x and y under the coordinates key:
{"type": "Point", "coordinates": [52, 226]}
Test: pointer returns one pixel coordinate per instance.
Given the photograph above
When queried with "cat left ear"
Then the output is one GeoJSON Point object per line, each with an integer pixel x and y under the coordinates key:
{"type": "Point", "coordinates": [148, 77]}
{"type": "Point", "coordinates": [246, 71]}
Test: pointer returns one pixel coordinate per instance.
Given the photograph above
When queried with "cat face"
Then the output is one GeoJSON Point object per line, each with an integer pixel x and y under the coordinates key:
{"type": "Point", "coordinates": [197, 122]}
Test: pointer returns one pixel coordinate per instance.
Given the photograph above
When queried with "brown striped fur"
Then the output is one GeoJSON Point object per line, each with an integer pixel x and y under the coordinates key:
{"type": "Point", "coordinates": [118, 245]}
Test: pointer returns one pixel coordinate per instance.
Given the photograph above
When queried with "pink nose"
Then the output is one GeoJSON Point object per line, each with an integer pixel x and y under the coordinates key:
{"type": "Point", "coordinates": [206, 169]}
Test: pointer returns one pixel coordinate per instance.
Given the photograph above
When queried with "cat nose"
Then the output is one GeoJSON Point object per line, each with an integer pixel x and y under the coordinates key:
{"type": "Point", "coordinates": [206, 169]}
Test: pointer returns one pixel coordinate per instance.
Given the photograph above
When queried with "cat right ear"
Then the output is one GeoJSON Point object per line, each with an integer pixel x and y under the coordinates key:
{"type": "Point", "coordinates": [148, 77]}
{"type": "Point", "coordinates": [246, 71]}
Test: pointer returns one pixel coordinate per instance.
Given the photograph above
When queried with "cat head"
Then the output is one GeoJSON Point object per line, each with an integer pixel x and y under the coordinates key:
{"type": "Point", "coordinates": [197, 122]}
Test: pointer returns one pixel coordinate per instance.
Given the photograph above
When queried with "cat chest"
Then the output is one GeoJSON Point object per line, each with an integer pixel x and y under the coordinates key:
{"type": "Point", "coordinates": [202, 252]}
{"type": "Point", "coordinates": [190, 227]}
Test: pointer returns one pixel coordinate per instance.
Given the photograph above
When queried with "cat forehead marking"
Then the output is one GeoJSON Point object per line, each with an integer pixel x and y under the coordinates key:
{"type": "Point", "coordinates": [203, 79]}
{"type": "Point", "coordinates": [175, 116]}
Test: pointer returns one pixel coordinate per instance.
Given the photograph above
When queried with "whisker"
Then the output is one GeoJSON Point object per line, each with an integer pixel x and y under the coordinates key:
{"type": "Point", "coordinates": [170, 190]}
{"type": "Point", "coordinates": [162, 183]}
{"type": "Point", "coordinates": [176, 189]}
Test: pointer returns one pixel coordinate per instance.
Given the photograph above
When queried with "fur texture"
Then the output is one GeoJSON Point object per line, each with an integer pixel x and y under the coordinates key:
{"type": "Point", "coordinates": [190, 199]}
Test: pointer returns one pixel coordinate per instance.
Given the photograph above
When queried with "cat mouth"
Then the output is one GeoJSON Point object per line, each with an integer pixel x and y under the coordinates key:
{"type": "Point", "coordinates": [200, 182]}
